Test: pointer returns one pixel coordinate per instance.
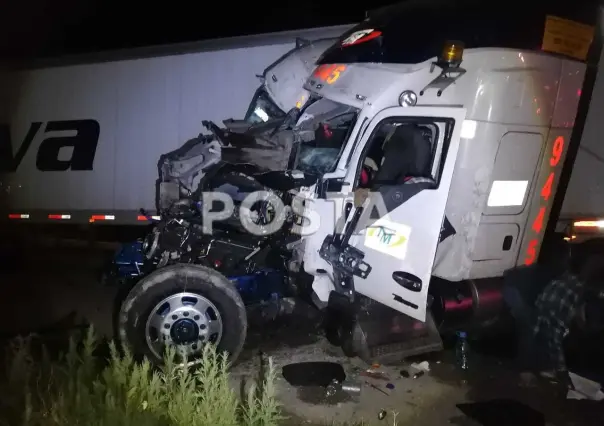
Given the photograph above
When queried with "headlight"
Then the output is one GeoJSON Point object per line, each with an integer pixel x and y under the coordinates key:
{"type": "Point", "coordinates": [150, 243]}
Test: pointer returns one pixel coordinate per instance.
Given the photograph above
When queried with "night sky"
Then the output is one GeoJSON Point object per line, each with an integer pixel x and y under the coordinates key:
{"type": "Point", "coordinates": [35, 28]}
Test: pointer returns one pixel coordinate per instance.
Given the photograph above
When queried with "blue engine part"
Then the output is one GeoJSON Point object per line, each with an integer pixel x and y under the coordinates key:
{"type": "Point", "coordinates": [128, 260]}
{"type": "Point", "coordinates": [263, 285]}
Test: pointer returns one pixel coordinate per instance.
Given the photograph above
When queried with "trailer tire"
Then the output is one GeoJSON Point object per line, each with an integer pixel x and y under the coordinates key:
{"type": "Point", "coordinates": [212, 288]}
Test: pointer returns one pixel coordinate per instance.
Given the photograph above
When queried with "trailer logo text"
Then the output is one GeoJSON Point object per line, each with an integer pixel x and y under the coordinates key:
{"type": "Point", "coordinates": [82, 136]}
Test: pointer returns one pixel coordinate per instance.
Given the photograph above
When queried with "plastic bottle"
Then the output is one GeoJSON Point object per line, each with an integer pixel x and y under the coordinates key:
{"type": "Point", "coordinates": [462, 350]}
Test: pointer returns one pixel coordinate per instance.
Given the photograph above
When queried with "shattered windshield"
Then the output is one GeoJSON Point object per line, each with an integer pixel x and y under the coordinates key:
{"type": "Point", "coordinates": [262, 108]}
{"type": "Point", "coordinates": [324, 128]}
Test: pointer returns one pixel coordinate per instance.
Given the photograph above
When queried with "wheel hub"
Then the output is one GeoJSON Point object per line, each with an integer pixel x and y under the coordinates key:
{"type": "Point", "coordinates": [184, 331]}
{"type": "Point", "coordinates": [185, 321]}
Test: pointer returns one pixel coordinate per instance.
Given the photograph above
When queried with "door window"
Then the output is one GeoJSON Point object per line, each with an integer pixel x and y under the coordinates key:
{"type": "Point", "coordinates": [404, 156]}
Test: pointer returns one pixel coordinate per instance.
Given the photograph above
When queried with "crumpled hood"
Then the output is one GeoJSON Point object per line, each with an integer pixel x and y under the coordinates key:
{"type": "Point", "coordinates": [266, 152]}
{"type": "Point", "coordinates": [260, 152]}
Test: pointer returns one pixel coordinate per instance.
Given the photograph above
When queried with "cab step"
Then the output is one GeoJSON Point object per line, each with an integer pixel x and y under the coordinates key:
{"type": "Point", "coordinates": [383, 335]}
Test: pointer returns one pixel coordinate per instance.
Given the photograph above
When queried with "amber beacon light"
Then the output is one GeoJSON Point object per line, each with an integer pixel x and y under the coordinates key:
{"type": "Point", "coordinates": [452, 53]}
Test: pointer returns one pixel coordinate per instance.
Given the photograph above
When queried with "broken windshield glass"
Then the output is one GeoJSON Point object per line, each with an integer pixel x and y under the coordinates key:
{"type": "Point", "coordinates": [323, 131]}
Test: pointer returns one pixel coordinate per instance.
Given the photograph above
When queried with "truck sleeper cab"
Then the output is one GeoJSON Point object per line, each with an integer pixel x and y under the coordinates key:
{"type": "Point", "coordinates": [486, 130]}
{"type": "Point", "coordinates": [465, 127]}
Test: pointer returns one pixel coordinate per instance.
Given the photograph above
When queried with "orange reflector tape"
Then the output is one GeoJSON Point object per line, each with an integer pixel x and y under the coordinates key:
{"type": "Point", "coordinates": [18, 216]}
{"type": "Point", "coordinates": [589, 224]}
{"type": "Point", "coordinates": [102, 217]}
{"type": "Point", "coordinates": [59, 216]}
{"type": "Point", "coordinates": [144, 218]}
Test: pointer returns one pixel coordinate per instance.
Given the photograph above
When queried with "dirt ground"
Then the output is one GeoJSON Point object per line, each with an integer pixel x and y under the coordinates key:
{"type": "Point", "coordinates": [56, 288]}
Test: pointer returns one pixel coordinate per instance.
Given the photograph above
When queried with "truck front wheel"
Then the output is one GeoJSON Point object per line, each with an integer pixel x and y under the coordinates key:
{"type": "Point", "coordinates": [183, 306]}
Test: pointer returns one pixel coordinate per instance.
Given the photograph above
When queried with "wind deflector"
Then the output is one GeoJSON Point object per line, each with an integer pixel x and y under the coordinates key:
{"type": "Point", "coordinates": [414, 31]}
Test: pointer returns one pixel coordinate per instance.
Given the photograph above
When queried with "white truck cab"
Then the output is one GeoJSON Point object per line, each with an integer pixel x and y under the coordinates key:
{"type": "Point", "coordinates": [429, 158]}
{"type": "Point", "coordinates": [469, 146]}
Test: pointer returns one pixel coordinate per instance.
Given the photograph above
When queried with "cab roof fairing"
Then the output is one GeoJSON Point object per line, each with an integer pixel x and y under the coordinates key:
{"type": "Point", "coordinates": [486, 71]}
{"type": "Point", "coordinates": [373, 85]}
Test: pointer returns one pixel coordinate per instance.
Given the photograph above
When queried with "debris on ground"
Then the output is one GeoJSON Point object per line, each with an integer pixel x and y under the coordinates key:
{"type": "Point", "coordinates": [421, 366]}
{"type": "Point", "coordinates": [378, 375]}
{"type": "Point", "coordinates": [418, 374]}
{"type": "Point", "coordinates": [382, 414]}
{"type": "Point", "coordinates": [584, 388]}
{"type": "Point", "coordinates": [417, 370]}
{"type": "Point", "coordinates": [377, 388]}
{"type": "Point", "coordinates": [351, 388]}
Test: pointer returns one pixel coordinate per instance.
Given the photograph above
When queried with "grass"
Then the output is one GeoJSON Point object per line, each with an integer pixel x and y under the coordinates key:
{"type": "Point", "coordinates": [79, 389]}
{"type": "Point", "coordinates": [82, 388]}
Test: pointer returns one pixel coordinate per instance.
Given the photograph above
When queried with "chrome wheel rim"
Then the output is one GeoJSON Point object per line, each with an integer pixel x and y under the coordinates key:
{"type": "Point", "coordinates": [184, 321]}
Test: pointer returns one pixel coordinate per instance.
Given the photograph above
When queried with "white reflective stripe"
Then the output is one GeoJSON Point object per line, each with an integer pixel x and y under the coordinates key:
{"type": "Point", "coordinates": [18, 216]}
{"type": "Point", "coordinates": [507, 193]}
{"type": "Point", "coordinates": [145, 218]}
{"type": "Point", "coordinates": [103, 217]}
{"type": "Point", "coordinates": [589, 224]}
{"type": "Point", "coordinates": [59, 216]}
{"type": "Point", "coordinates": [468, 129]}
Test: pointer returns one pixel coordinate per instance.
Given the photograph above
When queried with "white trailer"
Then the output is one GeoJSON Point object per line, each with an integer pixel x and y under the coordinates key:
{"type": "Point", "coordinates": [583, 208]}
{"type": "Point", "coordinates": [80, 137]}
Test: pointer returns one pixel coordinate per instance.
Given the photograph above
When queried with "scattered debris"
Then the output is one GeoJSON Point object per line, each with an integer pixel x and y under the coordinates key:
{"type": "Point", "coordinates": [351, 388]}
{"type": "Point", "coordinates": [405, 374]}
{"type": "Point", "coordinates": [584, 388]}
{"type": "Point", "coordinates": [335, 386]}
{"type": "Point", "coordinates": [382, 415]}
{"type": "Point", "coordinates": [332, 388]}
{"type": "Point", "coordinates": [390, 386]}
{"type": "Point", "coordinates": [377, 388]}
{"type": "Point", "coordinates": [378, 375]}
{"type": "Point", "coordinates": [418, 374]}
{"type": "Point", "coordinates": [422, 366]}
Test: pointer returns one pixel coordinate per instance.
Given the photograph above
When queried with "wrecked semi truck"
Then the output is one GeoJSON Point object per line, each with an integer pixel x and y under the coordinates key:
{"type": "Point", "coordinates": [473, 126]}
{"type": "Point", "coordinates": [70, 127]}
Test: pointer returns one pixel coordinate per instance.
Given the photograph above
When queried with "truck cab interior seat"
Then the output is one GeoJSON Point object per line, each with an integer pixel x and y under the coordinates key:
{"type": "Point", "coordinates": [407, 154]}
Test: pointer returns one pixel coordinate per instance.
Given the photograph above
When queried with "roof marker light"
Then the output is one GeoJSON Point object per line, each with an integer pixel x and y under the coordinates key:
{"type": "Point", "coordinates": [452, 53]}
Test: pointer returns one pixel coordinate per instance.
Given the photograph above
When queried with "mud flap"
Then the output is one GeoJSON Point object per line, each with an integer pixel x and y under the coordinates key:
{"type": "Point", "coordinates": [386, 336]}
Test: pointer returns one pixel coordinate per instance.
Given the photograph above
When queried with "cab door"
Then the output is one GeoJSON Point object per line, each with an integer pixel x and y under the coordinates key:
{"type": "Point", "coordinates": [400, 238]}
